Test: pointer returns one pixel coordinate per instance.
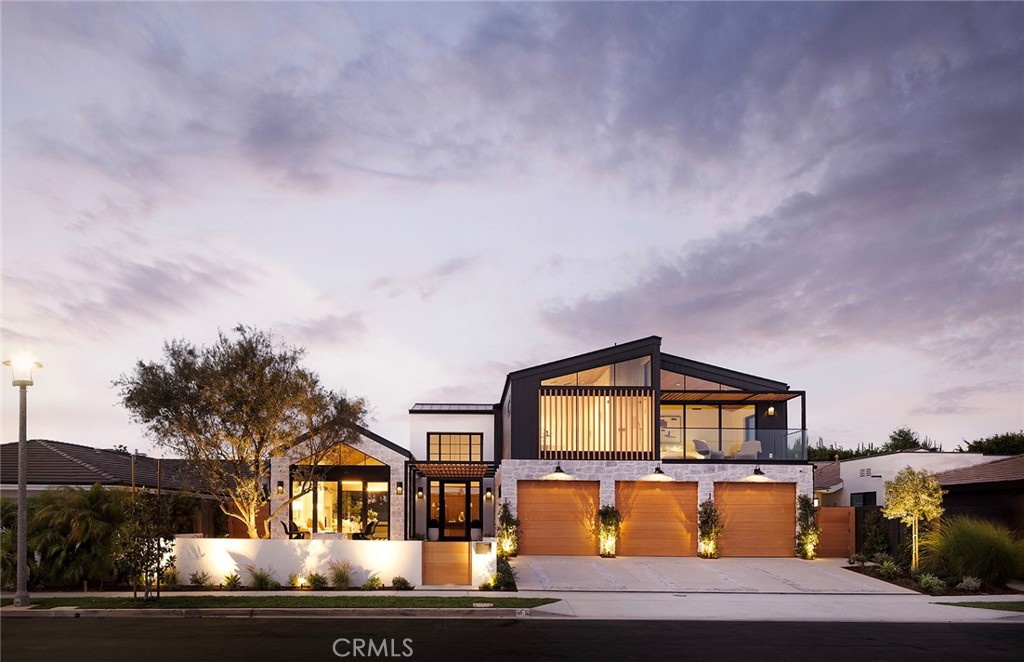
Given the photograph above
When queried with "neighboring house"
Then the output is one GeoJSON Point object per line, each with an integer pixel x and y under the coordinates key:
{"type": "Point", "coordinates": [993, 490]}
{"type": "Point", "coordinates": [648, 432]}
{"type": "Point", "coordinates": [360, 483]}
{"type": "Point", "coordinates": [861, 481]}
{"type": "Point", "coordinates": [54, 464]}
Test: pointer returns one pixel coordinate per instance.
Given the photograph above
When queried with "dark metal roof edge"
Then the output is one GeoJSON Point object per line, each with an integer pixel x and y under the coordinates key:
{"type": "Point", "coordinates": [728, 373]}
{"type": "Point", "coordinates": [373, 436]}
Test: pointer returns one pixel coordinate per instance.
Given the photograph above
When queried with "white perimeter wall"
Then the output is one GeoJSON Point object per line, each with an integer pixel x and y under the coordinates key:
{"type": "Point", "coordinates": [219, 557]}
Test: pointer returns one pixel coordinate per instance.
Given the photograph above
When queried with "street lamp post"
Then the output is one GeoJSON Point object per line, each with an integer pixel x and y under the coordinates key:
{"type": "Point", "coordinates": [22, 380]}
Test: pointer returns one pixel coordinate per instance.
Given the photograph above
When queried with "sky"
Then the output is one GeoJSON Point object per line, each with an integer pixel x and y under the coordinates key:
{"type": "Point", "coordinates": [428, 196]}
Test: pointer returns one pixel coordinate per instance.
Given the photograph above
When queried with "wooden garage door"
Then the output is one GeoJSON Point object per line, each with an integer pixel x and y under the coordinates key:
{"type": "Point", "coordinates": [658, 518]}
{"type": "Point", "coordinates": [557, 517]}
{"type": "Point", "coordinates": [758, 519]}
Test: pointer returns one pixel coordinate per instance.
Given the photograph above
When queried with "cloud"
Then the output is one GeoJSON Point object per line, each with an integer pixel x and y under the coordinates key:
{"type": "Point", "coordinates": [332, 329]}
{"type": "Point", "coordinates": [427, 283]}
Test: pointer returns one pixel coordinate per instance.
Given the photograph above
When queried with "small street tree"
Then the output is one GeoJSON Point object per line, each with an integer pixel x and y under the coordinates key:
{"type": "Point", "coordinates": [229, 408]}
{"type": "Point", "coordinates": [910, 497]}
{"type": "Point", "coordinates": [144, 542]}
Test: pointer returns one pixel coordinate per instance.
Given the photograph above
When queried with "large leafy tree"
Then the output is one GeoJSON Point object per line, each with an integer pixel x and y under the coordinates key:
{"type": "Point", "coordinates": [912, 496]}
{"type": "Point", "coordinates": [1009, 443]}
{"type": "Point", "coordinates": [229, 408]}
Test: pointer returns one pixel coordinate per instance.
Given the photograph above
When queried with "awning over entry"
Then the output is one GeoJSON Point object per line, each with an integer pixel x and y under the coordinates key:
{"type": "Point", "coordinates": [728, 396]}
{"type": "Point", "coordinates": [454, 470]}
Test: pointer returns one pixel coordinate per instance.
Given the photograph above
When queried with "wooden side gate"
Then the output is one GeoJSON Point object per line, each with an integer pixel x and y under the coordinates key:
{"type": "Point", "coordinates": [838, 531]}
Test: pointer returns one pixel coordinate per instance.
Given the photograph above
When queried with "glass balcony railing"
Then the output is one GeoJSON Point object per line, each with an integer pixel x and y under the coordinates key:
{"type": "Point", "coordinates": [759, 445]}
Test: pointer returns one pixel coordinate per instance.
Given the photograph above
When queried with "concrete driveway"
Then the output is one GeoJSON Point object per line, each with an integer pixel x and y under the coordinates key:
{"type": "Point", "coordinates": [693, 575]}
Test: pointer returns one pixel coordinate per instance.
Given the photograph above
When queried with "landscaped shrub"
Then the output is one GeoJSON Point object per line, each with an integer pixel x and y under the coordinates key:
{"type": "Point", "coordinates": [341, 573]}
{"type": "Point", "coordinates": [170, 578]}
{"type": "Point", "coordinates": [401, 584]}
{"type": "Point", "coordinates": [294, 580]}
{"type": "Point", "coordinates": [930, 583]}
{"type": "Point", "coordinates": [373, 583]}
{"type": "Point", "coordinates": [261, 579]}
{"type": "Point", "coordinates": [232, 582]}
{"type": "Point", "coordinates": [709, 528]}
{"type": "Point", "coordinates": [960, 546]}
{"type": "Point", "coordinates": [890, 569]}
{"type": "Point", "coordinates": [317, 581]}
{"type": "Point", "coordinates": [507, 535]}
{"type": "Point", "coordinates": [970, 584]}
{"type": "Point", "coordinates": [609, 523]}
{"type": "Point", "coordinates": [875, 539]}
{"type": "Point", "coordinates": [199, 579]}
{"type": "Point", "coordinates": [856, 559]}
{"type": "Point", "coordinates": [504, 578]}
{"type": "Point", "coordinates": [808, 529]}
{"type": "Point", "coordinates": [881, 557]}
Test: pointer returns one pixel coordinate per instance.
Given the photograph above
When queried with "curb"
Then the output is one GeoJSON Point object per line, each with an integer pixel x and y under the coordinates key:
{"type": "Point", "coordinates": [461, 612]}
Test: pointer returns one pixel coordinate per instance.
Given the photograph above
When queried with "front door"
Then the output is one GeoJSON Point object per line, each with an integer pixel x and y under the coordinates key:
{"type": "Point", "coordinates": [459, 506]}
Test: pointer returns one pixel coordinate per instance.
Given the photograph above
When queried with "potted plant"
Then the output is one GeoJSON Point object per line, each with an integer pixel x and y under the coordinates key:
{"type": "Point", "coordinates": [476, 530]}
{"type": "Point", "coordinates": [433, 529]}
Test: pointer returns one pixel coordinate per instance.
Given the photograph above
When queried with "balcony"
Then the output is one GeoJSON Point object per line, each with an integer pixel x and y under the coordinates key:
{"type": "Point", "coordinates": [713, 444]}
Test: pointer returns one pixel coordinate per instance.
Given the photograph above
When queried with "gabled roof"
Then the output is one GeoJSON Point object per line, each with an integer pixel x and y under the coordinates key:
{"type": "Point", "coordinates": [826, 476]}
{"type": "Point", "coordinates": [373, 436]}
{"type": "Point", "coordinates": [60, 463]}
{"type": "Point", "coordinates": [998, 471]}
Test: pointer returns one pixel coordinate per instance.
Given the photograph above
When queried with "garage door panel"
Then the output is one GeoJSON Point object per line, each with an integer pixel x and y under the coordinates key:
{"type": "Point", "coordinates": [758, 519]}
{"type": "Point", "coordinates": [557, 518]}
{"type": "Point", "coordinates": [658, 518]}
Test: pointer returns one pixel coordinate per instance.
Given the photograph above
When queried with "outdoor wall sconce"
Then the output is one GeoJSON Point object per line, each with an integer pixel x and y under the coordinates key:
{"type": "Point", "coordinates": [817, 502]}
{"type": "Point", "coordinates": [558, 469]}
{"type": "Point", "coordinates": [771, 411]}
{"type": "Point", "coordinates": [488, 495]}
{"type": "Point", "coordinates": [280, 487]}
{"type": "Point", "coordinates": [419, 492]}
{"type": "Point", "coordinates": [657, 470]}
{"type": "Point", "coordinates": [757, 471]}
{"type": "Point", "coordinates": [398, 487]}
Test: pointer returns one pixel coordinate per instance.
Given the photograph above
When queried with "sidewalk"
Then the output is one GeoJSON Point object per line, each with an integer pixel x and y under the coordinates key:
{"type": "Point", "coordinates": [902, 608]}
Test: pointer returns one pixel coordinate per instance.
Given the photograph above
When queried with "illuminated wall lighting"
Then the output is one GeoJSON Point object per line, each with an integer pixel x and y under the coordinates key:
{"type": "Point", "coordinates": [398, 487]}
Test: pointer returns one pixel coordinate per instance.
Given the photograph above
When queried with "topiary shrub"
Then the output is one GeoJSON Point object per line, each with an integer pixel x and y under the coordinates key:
{"type": "Point", "coordinates": [960, 546]}
{"type": "Point", "coordinates": [507, 535]}
{"type": "Point", "coordinates": [401, 584]}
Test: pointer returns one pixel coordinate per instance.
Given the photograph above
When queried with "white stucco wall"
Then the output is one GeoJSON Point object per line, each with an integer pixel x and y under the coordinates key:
{"type": "Point", "coordinates": [219, 557]}
{"type": "Point", "coordinates": [421, 424]}
{"type": "Point", "coordinates": [887, 466]}
{"type": "Point", "coordinates": [394, 460]}
{"type": "Point", "coordinates": [610, 471]}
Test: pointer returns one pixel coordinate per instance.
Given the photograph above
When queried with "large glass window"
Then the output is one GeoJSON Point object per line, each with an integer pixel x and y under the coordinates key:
{"type": "Point", "coordinates": [579, 423]}
{"type": "Point", "coordinates": [344, 506]}
{"type": "Point", "coordinates": [635, 372]}
{"type": "Point", "coordinates": [703, 431]}
{"type": "Point", "coordinates": [674, 381]}
{"type": "Point", "coordinates": [455, 447]}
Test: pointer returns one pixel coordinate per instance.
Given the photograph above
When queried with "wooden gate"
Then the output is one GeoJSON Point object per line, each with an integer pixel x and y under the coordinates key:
{"type": "Point", "coordinates": [838, 532]}
{"type": "Point", "coordinates": [446, 563]}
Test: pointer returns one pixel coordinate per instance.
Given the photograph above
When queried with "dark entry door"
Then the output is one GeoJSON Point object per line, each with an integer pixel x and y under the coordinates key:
{"type": "Point", "coordinates": [454, 510]}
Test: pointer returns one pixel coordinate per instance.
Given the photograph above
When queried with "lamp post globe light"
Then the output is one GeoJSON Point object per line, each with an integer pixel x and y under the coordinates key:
{"type": "Point", "coordinates": [23, 367]}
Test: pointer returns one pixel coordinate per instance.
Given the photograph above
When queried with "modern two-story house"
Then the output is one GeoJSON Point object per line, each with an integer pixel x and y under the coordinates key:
{"type": "Point", "coordinates": [631, 426]}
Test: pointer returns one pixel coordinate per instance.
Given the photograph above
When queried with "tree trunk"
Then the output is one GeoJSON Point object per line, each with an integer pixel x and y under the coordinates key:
{"type": "Point", "coordinates": [913, 558]}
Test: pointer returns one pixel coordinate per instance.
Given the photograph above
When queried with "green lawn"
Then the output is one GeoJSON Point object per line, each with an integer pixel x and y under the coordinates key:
{"type": "Point", "coordinates": [285, 602]}
{"type": "Point", "coordinates": [1004, 606]}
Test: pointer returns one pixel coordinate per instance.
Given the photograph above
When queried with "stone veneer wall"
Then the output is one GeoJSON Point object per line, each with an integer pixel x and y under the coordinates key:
{"type": "Point", "coordinates": [395, 461]}
{"type": "Point", "coordinates": [610, 471]}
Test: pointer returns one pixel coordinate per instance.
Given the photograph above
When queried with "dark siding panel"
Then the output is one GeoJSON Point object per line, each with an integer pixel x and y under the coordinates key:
{"type": "Point", "coordinates": [525, 418]}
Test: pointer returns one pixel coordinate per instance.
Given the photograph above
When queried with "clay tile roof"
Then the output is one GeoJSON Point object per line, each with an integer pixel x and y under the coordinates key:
{"type": "Point", "coordinates": [826, 474]}
{"type": "Point", "coordinates": [998, 471]}
{"type": "Point", "coordinates": [454, 470]}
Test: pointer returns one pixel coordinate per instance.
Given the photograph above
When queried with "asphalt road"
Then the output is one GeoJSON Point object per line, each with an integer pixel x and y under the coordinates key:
{"type": "Point", "coordinates": [309, 640]}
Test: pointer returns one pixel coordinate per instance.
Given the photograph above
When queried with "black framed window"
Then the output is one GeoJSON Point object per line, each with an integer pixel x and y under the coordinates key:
{"type": "Point", "coordinates": [455, 446]}
{"type": "Point", "coordinates": [862, 499]}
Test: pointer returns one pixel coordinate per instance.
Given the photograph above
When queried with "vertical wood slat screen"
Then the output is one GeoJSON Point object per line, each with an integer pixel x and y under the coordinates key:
{"type": "Point", "coordinates": [596, 423]}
